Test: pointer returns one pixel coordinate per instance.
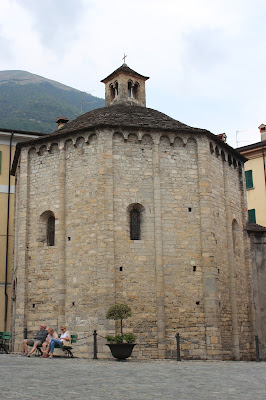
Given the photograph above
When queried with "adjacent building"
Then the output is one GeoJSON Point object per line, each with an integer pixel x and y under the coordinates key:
{"type": "Point", "coordinates": [8, 140]}
{"type": "Point", "coordinates": [255, 171]}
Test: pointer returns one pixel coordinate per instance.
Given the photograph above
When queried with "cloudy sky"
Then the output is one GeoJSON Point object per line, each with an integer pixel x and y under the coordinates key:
{"type": "Point", "coordinates": [206, 59]}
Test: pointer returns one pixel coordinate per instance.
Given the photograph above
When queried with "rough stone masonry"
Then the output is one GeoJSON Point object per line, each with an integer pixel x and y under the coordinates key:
{"type": "Point", "coordinates": [189, 269]}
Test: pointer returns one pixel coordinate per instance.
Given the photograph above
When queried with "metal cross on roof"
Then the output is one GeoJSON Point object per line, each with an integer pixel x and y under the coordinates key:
{"type": "Point", "coordinates": [124, 58]}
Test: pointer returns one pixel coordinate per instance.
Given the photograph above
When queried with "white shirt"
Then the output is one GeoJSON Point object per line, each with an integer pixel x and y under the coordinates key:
{"type": "Point", "coordinates": [55, 336]}
{"type": "Point", "coordinates": [64, 335]}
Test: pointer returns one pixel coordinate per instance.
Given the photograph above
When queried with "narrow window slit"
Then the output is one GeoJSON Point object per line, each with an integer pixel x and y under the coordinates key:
{"type": "Point", "coordinates": [50, 230]}
{"type": "Point", "coordinates": [135, 224]}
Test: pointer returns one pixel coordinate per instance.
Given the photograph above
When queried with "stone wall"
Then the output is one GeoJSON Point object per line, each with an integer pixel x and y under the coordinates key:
{"type": "Point", "coordinates": [189, 273]}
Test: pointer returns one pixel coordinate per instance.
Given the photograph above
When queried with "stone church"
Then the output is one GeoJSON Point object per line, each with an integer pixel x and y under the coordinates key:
{"type": "Point", "coordinates": [127, 205]}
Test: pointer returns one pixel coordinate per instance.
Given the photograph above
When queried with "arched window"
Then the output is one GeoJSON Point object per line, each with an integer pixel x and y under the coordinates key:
{"type": "Point", "coordinates": [112, 91]}
{"type": "Point", "coordinates": [135, 91]}
{"type": "Point", "coordinates": [47, 228]}
{"type": "Point", "coordinates": [132, 90]}
{"type": "Point", "coordinates": [50, 230]}
{"type": "Point", "coordinates": [116, 89]}
{"type": "Point", "coordinates": [135, 224]}
{"type": "Point", "coordinates": [129, 89]}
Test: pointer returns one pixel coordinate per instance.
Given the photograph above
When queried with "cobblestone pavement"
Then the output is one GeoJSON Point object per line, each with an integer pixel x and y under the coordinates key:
{"type": "Point", "coordinates": [67, 379]}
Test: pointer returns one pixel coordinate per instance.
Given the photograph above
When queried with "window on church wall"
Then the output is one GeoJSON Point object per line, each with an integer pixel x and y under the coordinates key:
{"type": "Point", "coordinates": [116, 89]}
{"type": "Point", "coordinates": [135, 220]}
{"type": "Point", "coordinates": [135, 90]}
{"type": "Point", "coordinates": [135, 224]}
{"type": "Point", "coordinates": [132, 90]}
{"type": "Point", "coordinates": [50, 231]}
{"type": "Point", "coordinates": [112, 92]}
{"type": "Point", "coordinates": [129, 89]}
{"type": "Point", "coordinates": [47, 228]}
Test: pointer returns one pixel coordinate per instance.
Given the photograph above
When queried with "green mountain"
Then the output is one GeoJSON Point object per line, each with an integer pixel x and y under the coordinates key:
{"type": "Point", "coordinates": [31, 102]}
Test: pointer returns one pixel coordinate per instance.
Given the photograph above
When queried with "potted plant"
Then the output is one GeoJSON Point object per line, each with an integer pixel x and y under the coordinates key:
{"type": "Point", "coordinates": [121, 345]}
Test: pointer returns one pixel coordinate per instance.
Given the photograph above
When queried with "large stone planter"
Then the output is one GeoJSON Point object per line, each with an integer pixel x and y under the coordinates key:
{"type": "Point", "coordinates": [121, 351]}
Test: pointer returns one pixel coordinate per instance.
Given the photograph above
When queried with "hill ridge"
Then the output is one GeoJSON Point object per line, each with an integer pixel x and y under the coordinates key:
{"type": "Point", "coordinates": [32, 102]}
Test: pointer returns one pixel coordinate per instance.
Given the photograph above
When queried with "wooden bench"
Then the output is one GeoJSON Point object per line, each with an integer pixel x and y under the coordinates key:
{"type": "Point", "coordinates": [4, 341]}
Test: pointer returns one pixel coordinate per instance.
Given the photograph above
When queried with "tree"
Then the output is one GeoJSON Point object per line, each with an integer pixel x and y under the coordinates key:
{"type": "Point", "coordinates": [119, 311]}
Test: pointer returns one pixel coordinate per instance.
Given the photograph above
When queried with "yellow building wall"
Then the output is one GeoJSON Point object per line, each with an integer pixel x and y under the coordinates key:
{"type": "Point", "coordinates": [256, 197]}
{"type": "Point", "coordinates": [3, 225]}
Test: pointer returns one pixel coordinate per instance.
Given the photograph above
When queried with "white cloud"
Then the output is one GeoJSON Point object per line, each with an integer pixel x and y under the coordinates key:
{"type": "Point", "coordinates": [205, 58]}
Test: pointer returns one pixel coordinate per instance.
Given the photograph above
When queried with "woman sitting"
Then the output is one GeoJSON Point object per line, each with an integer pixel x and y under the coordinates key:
{"type": "Point", "coordinates": [51, 335]}
{"type": "Point", "coordinates": [65, 337]}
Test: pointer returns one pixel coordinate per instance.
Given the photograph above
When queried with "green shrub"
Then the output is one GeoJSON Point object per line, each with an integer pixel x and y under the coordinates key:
{"type": "Point", "coordinates": [127, 338]}
{"type": "Point", "coordinates": [110, 338]}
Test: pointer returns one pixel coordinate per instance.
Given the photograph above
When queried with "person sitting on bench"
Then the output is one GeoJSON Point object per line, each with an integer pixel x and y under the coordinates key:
{"type": "Point", "coordinates": [51, 335]}
{"type": "Point", "coordinates": [36, 342]}
{"type": "Point", "coordinates": [64, 339]}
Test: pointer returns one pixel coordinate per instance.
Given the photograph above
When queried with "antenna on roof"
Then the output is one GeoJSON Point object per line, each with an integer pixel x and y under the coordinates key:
{"type": "Point", "coordinates": [82, 103]}
{"type": "Point", "coordinates": [237, 132]}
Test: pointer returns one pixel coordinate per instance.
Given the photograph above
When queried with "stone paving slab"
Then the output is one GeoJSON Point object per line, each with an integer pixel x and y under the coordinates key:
{"type": "Point", "coordinates": [26, 378]}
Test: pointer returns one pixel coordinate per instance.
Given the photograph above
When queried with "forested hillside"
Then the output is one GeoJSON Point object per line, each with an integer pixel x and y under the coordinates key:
{"type": "Point", "coordinates": [31, 102]}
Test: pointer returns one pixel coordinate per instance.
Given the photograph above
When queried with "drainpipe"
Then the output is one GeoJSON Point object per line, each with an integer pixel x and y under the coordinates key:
{"type": "Point", "coordinates": [7, 227]}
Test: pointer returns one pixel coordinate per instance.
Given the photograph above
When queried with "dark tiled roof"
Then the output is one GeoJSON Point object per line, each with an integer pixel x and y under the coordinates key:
{"type": "Point", "coordinates": [255, 228]}
{"type": "Point", "coordinates": [126, 116]}
{"type": "Point", "coordinates": [252, 146]}
{"type": "Point", "coordinates": [123, 116]}
{"type": "Point", "coordinates": [124, 68]}
{"type": "Point", "coordinates": [19, 131]}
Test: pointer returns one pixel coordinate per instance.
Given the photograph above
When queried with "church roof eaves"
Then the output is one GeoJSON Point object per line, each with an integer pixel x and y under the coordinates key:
{"type": "Point", "coordinates": [125, 116]}
{"type": "Point", "coordinates": [126, 69]}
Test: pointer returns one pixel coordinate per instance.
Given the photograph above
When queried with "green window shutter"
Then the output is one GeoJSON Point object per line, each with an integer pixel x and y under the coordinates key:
{"type": "Point", "coordinates": [252, 216]}
{"type": "Point", "coordinates": [249, 179]}
{"type": "Point", "coordinates": [0, 161]}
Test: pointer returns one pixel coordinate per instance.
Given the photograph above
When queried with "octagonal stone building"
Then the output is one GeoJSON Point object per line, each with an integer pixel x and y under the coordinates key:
{"type": "Point", "coordinates": [127, 205]}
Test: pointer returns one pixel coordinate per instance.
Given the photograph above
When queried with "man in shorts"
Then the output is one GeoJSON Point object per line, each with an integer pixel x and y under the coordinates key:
{"type": "Point", "coordinates": [37, 341]}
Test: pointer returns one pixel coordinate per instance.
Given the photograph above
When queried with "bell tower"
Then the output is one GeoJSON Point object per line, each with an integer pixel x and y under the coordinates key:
{"type": "Point", "coordinates": [125, 86]}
